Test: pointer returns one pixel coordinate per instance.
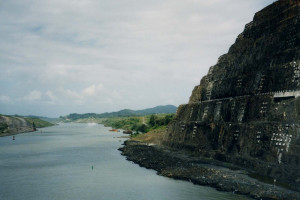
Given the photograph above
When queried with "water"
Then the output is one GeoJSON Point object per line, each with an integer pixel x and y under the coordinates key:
{"type": "Point", "coordinates": [81, 161]}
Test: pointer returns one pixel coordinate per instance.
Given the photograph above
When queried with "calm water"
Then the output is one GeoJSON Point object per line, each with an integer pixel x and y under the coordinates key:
{"type": "Point", "coordinates": [57, 164]}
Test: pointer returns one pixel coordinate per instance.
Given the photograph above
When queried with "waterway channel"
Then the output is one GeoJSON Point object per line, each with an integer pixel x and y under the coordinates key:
{"type": "Point", "coordinates": [81, 161]}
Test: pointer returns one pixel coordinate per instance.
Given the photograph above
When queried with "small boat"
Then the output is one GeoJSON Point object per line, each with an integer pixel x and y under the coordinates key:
{"type": "Point", "coordinates": [13, 137]}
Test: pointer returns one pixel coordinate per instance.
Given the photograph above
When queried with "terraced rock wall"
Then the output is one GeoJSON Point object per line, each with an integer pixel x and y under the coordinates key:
{"type": "Point", "coordinates": [246, 110]}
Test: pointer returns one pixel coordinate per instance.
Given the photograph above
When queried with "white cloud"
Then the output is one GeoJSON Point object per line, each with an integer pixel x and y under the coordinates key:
{"type": "Point", "coordinates": [71, 96]}
{"type": "Point", "coordinates": [33, 96]}
{"type": "Point", "coordinates": [5, 99]}
{"type": "Point", "coordinates": [93, 90]}
{"type": "Point", "coordinates": [51, 96]}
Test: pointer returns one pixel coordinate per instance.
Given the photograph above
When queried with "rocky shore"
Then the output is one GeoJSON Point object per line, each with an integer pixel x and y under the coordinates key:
{"type": "Point", "coordinates": [17, 131]}
{"type": "Point", "coordinates": [187, 166]}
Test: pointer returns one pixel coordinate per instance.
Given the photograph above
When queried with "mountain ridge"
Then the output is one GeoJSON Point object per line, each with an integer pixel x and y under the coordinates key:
{"type": "Point", "coordinates": [161, 109]}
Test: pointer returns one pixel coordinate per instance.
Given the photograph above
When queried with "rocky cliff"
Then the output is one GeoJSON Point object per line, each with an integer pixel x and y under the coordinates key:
{"type": "Point", "coordinates": [13, 125]}
{"type": "Point", "coordinates": [246, 110]}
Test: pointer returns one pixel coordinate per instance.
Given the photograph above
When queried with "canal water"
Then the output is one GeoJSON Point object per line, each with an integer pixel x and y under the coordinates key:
{"type": "Point", "coordinates": [81, 161]}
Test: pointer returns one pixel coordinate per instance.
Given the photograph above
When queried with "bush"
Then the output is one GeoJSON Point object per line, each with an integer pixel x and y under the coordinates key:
{"type": "Point", "coordinates": [136, 123]}
{"type": "Point", "coordinates": [3, 127]}
{"type": "Point", "coordinates": [156, 121]}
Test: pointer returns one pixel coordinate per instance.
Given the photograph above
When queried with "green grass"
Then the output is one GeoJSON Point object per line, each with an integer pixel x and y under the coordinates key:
{"type": "Point", "coordinates": [125, 123]}
{"type": "Point", "coordinates": [141, 124]}
{"type": "Point", "coordinates": [38, 122]}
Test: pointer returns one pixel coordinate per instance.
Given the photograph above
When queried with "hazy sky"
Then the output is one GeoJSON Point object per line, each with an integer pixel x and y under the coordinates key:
{"type": "Point", "coordinates": [63, 56]}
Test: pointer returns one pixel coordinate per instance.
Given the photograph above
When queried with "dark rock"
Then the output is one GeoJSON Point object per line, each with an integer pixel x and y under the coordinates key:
{"type": "Point", "coordinates": [246, 110]}
{"type": "Point", "coordinates": [127, 132]}
{"type": "Point", "coordinates": [198, 170]}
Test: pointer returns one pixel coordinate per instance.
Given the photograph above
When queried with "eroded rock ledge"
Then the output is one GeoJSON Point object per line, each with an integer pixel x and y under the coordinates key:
{"type": "Point", "coordinates": [189, 166]}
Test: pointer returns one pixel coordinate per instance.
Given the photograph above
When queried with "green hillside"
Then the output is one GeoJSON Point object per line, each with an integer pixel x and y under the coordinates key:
{"type": "Point", "coordinates": [139, 124]}
{"type": "Point", "coordinates": [38, 122]}
{"type": "Point", "coordinates": [168, 109]}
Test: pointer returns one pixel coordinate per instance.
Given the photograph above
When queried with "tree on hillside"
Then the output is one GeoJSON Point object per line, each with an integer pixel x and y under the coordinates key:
{"type": "Point", "coordinates": [143, 128]}
{"type": "Point", "coordinates": [168, 118]}
{"type": "Point", "coordinates": [152, 121]}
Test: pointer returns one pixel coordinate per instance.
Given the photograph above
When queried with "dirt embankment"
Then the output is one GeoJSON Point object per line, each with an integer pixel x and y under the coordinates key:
{"type": "Point", "coordinates": [154, 137]}
{"type": "Point", "coordinates": [146, 151]}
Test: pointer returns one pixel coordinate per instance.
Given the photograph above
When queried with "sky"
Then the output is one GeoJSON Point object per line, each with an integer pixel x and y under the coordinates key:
{"type": "Point", "coordinates": [78, 56]}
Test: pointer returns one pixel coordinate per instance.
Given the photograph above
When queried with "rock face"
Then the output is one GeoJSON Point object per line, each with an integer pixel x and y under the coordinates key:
{"type": "Point", "coordinates": [246, 110]}
{"type": "Point", "coordinates": [13, 125]}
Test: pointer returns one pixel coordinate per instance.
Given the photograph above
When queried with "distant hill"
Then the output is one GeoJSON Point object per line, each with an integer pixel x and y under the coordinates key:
{"type": "Point", "coordinates": [167, 109]}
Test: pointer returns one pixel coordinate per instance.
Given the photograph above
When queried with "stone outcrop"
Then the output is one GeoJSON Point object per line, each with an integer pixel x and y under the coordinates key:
{"type": "Point", "coordinates": [13, 125]}
{"type": "Point", "coordinates": [246, 110]}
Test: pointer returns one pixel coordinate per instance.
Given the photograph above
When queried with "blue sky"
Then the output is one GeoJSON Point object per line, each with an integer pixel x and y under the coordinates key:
{"type": "Point", "coordinates": [59, 57]}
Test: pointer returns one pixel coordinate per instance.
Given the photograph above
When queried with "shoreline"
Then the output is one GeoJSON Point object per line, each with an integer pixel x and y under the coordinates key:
{"type": "Point", "coordinates": [16, 132]}
{"type": "Point", "coordinates": [201, 171]}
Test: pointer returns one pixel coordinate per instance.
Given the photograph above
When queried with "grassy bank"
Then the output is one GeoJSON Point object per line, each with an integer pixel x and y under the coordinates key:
{"type": "Point", "coordinates": [139, 125]}
{"type": "Point", "coordinates": [38, 122]}
{"type": "Point", "coordinates": [152, 137]}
